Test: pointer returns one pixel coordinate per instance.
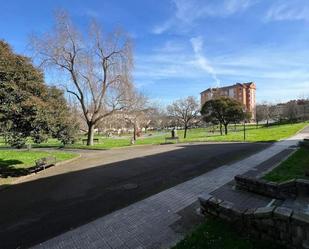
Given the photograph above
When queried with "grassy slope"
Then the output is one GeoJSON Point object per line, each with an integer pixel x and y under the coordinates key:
{"type": "Point", "coordinates": [25, 159]}
{"type": "Point", "coordinates": [16, 159]}
{"type": "Point", "coordinates": [216, 234]}
{"type": "Point", "coordinates": [266, 134]}
{"type": "Point", "coordinates": [293, 167]}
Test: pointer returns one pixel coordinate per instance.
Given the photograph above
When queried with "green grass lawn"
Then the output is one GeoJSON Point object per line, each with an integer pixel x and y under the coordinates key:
{"type": "Point", "coordinates": [293, 167]}
{"type": "Point", "coordinates": [216, 234]}
{"type": "Point", "coordinates": [253, 134]}
{"type": "Point", "coordinates": [20, 160]}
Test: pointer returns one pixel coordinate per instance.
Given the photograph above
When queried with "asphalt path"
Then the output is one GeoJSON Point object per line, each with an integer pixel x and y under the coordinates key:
{"type": "Point", "coordinates": [70, 195]}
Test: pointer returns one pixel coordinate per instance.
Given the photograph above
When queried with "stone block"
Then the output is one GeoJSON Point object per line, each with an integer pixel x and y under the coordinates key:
{"type": "Point", "coordinates": [225, 206]}
{"type": "Point", "coordinates": [287, 184]}
{"type": "Point", "coordinates": [249, 213]}
{"type": "Point", "coordinates": [300, 232]}
{"type": "Point", "coordinates": [302, 186]}
{"type": "Point", "coordinates": [282, 225]}
{"type": "Point", "coordinates": [307, 233]}
{"type": "Point", "coordinates": [268, 222]}
{"type": "Point", "coordinates": [255, 233]}
{"type": "Point", "coordinates": [264, 212]}
{"type": "Point", "coordinates": [284, 236]}
{"type": "Point", "coordinates": [302, 182]}
{"type": "Point", "coordinates": [204, 198]}
{"type": "Point", "coordinates": [300, 218]}
{"type": "Point", "coordinates": [297, 241]}
{"type": "Point", "coordinates": [305, 244]}
{"type": "Point", "coordinates": [238, 212]}
{"type": "Point", "coordinates": [266, 237]}
{"type": "Point", "coordinates": [283, 213]}
{"type": "Point", "coordinates": [274, 233]}
{"type": "Point", "coordinates": [213, 201]}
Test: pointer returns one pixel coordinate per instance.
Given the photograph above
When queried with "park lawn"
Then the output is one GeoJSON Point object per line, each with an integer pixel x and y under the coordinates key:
{"type": "Point", "coordinates": [253, 134]}
{"type": "Point", "coordinates": [216, 234]}
{"type": "Point", "coordinates": [23, 159]}
{"type": "Point", "coordinates": [263, 134]}
{"type": "Point", "coordinates": [294, 167]}
{"type": "Point", "coordinates": [107, 143]}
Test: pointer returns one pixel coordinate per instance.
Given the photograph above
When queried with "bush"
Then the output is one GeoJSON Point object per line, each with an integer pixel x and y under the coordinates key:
{"type": "Point", "coordinates": [16, 140]}
{"type": "Point", "coordinates": [67, 133]}
{"type": "Point", "coordinates": [39, 136]}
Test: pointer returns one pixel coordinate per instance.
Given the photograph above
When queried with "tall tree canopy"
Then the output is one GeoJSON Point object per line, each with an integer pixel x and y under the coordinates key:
{"type": "Point", "coordinates": [28, 107]}
{"type": "Point", "coordinates": [98, 65]}
{"type": "Point", "coordinates": [184, 112]}
{"type": "Point", "coordinates": [223, 110]}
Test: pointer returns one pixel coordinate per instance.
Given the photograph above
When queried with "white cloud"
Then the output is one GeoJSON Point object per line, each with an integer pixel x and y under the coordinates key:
{"type": "Point", "coordinates": [187, 12]}
{"type": "Point", "coordinates": [281, 73]}
{"type": "Point", "coordinates": [201, 61]}
{"type": "Point", "coordinates": [159, 29]}
{"type": "Point", "coordinates": [289, 10]}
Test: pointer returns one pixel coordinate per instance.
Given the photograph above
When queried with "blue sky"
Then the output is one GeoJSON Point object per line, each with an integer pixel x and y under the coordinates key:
{"type": "Point", "coordinates": [182, 47]}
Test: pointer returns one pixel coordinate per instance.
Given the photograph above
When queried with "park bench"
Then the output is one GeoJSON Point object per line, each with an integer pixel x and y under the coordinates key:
{"type": "Point", "coordinates": [167, 139]}
{"type": "Point", "coordinates": [95, 140]}
{"type": "Point", "coordinates": [44, 163]}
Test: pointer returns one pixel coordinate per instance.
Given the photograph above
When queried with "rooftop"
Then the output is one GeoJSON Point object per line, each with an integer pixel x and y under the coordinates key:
{"type": "Point", "coordinates": [245, 85]}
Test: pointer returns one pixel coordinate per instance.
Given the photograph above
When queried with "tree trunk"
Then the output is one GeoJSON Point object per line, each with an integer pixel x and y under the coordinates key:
{"type": "Point", "coordinates": [185, 133]}
{"type": "Point", "coordinates": [257, 124]}
{"type": "Point", "coordinates": [225, 128]}
{"type": "Point", "coordinates": [221, 133]}
{"type": "Point", "coordinates": [90, 134]}
{"type": "Point", "coordinates": [134, 132]}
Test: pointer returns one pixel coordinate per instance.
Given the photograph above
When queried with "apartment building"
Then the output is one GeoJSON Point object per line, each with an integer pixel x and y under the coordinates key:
{"type": "Point", "coordinates": [243, 92]}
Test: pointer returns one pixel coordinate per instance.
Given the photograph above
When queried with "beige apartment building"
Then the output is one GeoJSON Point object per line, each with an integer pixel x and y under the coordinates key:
{"type": "Point", "coordinates": [243, 92]}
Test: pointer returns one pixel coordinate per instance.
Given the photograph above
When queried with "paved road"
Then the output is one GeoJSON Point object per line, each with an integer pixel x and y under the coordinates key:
{"type": "Point", "coordinates": [99, 183]}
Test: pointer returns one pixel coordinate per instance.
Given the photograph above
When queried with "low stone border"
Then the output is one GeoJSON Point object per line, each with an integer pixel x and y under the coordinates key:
{"type": "Point", "coordinates": [284, 190]}
{"type": "Point", "coordinates": [279, 224]}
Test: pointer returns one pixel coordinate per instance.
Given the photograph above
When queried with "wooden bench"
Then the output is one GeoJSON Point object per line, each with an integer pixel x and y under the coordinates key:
{"type": "Point", "coordinates": [44, 163]}
{"type": "Point", "coordinates": [95, 140]}
{"type": "Point", "coordinates": [171, 139]}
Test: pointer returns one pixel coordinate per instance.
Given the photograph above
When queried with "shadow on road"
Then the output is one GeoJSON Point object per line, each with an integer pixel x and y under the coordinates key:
{"type": "Point", "coordinates": [35, 211]}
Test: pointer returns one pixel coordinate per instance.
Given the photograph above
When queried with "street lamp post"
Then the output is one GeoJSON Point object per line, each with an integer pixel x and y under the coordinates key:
{"type": "Point", "coordinates": [244, 113]}
{"type": "Point", "coordinates": [244, 130]}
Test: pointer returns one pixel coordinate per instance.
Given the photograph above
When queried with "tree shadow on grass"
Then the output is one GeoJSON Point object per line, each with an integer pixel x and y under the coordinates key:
{"type": "Point", "coordinates": [8, 168]}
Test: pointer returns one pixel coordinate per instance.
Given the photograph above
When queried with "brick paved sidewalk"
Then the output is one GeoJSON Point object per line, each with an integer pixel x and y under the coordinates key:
{"type": "Point", "coordinates": [147, 223]}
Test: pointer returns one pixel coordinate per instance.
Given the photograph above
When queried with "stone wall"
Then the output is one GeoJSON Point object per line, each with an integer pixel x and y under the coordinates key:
{"type": "Point", "coordinates": [278, 224]}
{"type": "Point", "coordinates": [284, 190]}
{"type": "Point", "coordinates": [304, 143]}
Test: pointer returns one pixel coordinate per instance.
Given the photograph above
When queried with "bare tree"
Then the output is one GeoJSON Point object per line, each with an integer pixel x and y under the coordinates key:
{"type": "Point", "coordinates": [150, 118]}
{"type": "Point", "coordinates": [98, 66]}
{"type": "Point", "coordinates": [291, 111]}
{"type": "Point", "coordinates": [273, 113]}
{"type": "Point", "coordinates": [185, 112]}
{"type": "Point", "coordinates": [136, 111]}
{"type": "Point", "coordinates": [268, 112]}
{"type": "Point", "coordinates": [261, 113]}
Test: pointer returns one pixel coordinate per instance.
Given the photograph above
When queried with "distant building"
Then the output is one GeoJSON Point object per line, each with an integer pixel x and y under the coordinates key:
{"type": "Point", "coordinates": [243, 92]}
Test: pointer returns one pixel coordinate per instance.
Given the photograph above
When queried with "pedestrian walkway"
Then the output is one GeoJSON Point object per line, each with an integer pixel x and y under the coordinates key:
{"type": "Point", "coordinates": [147, 223]}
